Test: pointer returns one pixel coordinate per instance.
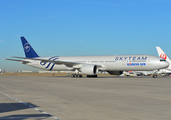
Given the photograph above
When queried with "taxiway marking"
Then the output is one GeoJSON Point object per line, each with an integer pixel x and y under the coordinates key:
{"type": "Point", "coordinates": [50, 116]}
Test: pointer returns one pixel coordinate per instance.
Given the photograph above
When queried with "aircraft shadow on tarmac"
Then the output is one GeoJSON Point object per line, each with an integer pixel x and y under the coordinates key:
{"type": "Point", "coordinates": [9, 107]}
{"type": "Point", "coordinates": [26, 116]}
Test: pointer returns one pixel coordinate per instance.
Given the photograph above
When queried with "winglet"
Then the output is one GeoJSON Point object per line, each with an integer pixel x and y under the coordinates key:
{"type": "Point", "coordinates": [29, 51]}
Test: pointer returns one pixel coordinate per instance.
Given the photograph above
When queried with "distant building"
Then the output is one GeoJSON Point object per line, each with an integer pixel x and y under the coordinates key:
{"type": "Point", "coordinates": [48, 72]}
{"type": "Point", "coordinates": [25, 71]}
{"type": "Point", "coordinates": [66, 71]}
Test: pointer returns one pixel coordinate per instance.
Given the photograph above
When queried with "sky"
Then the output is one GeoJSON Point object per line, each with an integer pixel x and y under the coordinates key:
{"type": "Point", "coordinates": [83, 27]}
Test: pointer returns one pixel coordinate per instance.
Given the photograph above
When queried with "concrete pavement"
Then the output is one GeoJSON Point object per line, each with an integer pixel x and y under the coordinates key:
{"type": "Point", "coordinates": [103, 98]}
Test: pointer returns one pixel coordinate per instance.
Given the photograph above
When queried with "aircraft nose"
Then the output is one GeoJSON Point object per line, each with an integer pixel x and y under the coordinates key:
{"type": "Point", "coordinates": [165, 64]}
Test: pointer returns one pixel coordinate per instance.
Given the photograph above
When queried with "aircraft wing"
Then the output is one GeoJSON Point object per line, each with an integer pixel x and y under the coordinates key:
{"type": "Point", "coordinates": [68, 64]}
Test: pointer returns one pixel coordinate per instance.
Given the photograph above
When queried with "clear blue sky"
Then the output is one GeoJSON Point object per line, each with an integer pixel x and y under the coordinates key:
{"type": "Point", "coordinates": [83, 27]}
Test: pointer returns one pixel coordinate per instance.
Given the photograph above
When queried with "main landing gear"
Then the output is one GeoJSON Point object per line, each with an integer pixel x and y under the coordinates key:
{"type": "Point", "coordinates": [76, 75]}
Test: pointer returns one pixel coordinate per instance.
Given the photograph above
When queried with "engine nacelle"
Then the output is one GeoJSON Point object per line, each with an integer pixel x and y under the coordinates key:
{"type": "Point", "coordinates": [89, 69]}
{"type": "Point", "coordinates": [115, 72]}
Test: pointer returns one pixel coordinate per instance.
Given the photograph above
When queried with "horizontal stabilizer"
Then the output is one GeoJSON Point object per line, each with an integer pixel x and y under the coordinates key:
{"type": "Point", "coordinates": [22, 61]}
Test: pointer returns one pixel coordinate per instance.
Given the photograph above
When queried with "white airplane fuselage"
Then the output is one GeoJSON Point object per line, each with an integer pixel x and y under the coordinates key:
{"type": "Point", "coordinates": [107, 63]}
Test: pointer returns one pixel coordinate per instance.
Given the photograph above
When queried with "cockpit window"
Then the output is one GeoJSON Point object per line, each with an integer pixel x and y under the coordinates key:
{"type": "Point", "coordinates": [162, 60]}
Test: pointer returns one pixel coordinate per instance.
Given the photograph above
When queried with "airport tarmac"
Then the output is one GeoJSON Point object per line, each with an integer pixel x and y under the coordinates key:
{"type": "Point", "coordinates": [103, 98]}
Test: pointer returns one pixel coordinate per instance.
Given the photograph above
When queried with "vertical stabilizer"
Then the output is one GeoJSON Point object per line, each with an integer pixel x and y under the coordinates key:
{"type": "Point", "coordinates": [29, 51]}
{"type": "Point", "coordinates": [163, 55]}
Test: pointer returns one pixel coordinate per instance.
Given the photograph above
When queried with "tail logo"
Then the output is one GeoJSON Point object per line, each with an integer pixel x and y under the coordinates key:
{"type": "Point", "coordinates": [164, 56]}
{"type": "Point", "coordinates": [27, 47]}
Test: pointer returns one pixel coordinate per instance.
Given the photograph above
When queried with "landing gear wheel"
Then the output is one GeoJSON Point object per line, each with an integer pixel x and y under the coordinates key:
{"type": "Point", "coordinates": [80, 76]}
{"type": "Point", "coordinates": [76, 75]}
{"type": "Point", "coordinates": [93, 76]}
{"type": "Point", "coordinates": [73, 75]}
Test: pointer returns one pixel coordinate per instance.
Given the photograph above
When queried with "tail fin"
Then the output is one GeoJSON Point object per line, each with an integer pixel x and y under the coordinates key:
{"type": "Point", "coordinates": [29, 51]}
{"type": "Point", "coordinates": [163, 55]}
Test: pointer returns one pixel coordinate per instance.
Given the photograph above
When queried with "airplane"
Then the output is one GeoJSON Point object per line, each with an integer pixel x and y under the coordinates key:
{"type": "Point", "coordinates": [162, 72]}
{"type": "Point", "coordinates": [146, 73]}
{"type": "Point", "coordinates": [163, 55]}
{"type": "Point", "coordinates": [90, 65]}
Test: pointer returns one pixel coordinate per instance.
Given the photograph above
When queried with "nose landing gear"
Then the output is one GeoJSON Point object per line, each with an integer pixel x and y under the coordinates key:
{"type": "Point", "coordinates": [154, 76]}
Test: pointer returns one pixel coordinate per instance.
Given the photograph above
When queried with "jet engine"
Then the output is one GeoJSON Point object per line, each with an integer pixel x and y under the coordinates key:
{"type": "Point", "coordinates": [115, 72]}
{"type": "Point", "coordinates": [89, 69]}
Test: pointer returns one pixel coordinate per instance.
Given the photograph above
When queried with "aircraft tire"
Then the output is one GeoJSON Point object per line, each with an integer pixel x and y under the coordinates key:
{"type": "Point", "coordinates": [76, 75]}
{"type": "Point", "coordinates": [93, 76]}
{"type": "Point", "coordinates": [73, 75]}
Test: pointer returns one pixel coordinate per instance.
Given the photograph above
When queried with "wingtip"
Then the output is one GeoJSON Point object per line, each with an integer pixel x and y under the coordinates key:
{"type": "Point", "coordinates": [22, 37]}
{"type": "Point", "coordinates": [12, 56]}
{"type": "Point", "coordinates": [158, 47]}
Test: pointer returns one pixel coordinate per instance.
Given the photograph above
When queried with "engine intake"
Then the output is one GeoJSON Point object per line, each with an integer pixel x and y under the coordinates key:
{"type": "Point", "coordinates": [89, 69]}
